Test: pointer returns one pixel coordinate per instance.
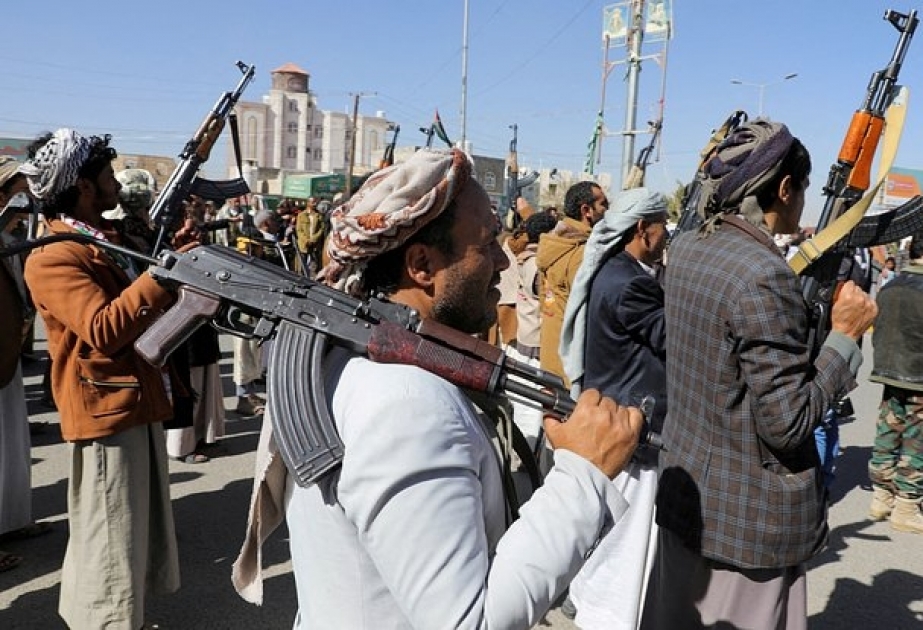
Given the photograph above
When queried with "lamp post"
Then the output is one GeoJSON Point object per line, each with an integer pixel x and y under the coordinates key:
{"type": "Point", "coordinates": [762, 87]}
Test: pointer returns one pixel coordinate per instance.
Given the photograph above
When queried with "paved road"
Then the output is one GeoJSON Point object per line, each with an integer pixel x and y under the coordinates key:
{"type": "Point", "coordinates": [868, 577]}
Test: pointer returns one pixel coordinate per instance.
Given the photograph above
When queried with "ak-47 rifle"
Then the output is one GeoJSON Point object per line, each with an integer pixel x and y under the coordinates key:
{"type": "Point", "coordinates": [689, 218]}
{"type": "Point", "coordinates": [219, 285]}
{"type": "Point", "coordinates": [387, 158]}
{"type": "Point", "coordinates": [848, 180]}
{"type": "Point", "coordinates": [184, 180]}
{"type": "Point", "coordinates": [515, 183]}
{"type": "Point", "coordinates": [635, 178]}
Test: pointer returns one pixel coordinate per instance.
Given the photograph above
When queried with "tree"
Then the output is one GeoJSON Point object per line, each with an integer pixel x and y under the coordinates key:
{"type": "Point", "coordinates": [675, 202]}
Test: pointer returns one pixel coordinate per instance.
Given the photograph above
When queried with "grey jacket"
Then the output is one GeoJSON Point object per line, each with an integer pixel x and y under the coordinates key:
{"type": "Point", "coordinates": [740, 479]}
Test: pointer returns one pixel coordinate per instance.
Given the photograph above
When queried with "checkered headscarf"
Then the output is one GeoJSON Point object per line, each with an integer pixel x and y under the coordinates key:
{"type": "Point", "coordinates": [56, 165]}
{"type": "Point", "coordinates": [392, 205]}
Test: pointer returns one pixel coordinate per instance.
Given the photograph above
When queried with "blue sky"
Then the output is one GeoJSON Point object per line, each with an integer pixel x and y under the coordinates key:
{"type": "Point", "coordinates": [149, 75]}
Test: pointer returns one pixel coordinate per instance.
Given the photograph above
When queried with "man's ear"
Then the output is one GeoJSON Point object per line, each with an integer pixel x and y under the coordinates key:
{"type": "Point", "coordinates": [420, 264]}
{"type": "Point", "coordinates": [585, 211]}
{"type": "Point", "coordinates": [85, 186]}
{"type": "Point", "coordinates": [786, 189]}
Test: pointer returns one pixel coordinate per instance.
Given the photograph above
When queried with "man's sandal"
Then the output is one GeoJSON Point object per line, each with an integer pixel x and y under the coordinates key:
{"type": "Point", "coordinates": [194, 458]}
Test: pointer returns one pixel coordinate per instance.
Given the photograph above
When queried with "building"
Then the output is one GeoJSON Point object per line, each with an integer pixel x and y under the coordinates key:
{"type": "Point", "coordinates": [288, 135]}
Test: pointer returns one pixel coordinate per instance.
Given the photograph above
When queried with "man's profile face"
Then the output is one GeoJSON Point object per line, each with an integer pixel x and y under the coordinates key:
{"type": "Point", "coordinates": [107, 189]}
{"type": "Point", "coordinates": [466, 292]}
{"type": "Point", "coordinates": [595, 211]}
{"type": "Point", "coordinates": [656, 237]}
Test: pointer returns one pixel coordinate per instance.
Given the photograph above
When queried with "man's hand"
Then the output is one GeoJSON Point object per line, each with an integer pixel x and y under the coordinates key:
{"type": "Point", "coordinates": [599, 430]}
{"type": "Point", "coordinates": [188, 234]}
{"type": "Point", "coordinates": [853, 311]}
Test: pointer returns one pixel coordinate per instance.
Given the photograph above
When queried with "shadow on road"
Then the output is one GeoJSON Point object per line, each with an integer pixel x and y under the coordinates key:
{"type": "Point", "coordinates": [886, 603]}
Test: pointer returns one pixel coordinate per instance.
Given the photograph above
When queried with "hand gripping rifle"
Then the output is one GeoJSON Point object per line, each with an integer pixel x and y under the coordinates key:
{"type": "Point", "coordinates": [849, 178]}
{"type": "Point", "coordinates": [185, 181]}
{"type": "Point", "coordinates": [215, 283]}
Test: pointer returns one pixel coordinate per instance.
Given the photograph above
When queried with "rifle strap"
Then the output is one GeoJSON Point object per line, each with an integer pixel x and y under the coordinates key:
{"type": "Point", "coordinates": [745, 226]}
{"type": "Point", "coordinates": [235, 138]}
{"type": "Point", "coordinates": [814, 247]}
{"type": "Point", "coordinates": [500, 413]}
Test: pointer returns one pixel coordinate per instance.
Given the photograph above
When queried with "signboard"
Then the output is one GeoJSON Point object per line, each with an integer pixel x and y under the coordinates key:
{"type": "Point", "coordinates": [304, 186]}
{"type": "Point", "coordinates": [901, 185]}
{"type": "Point", "coordinates": [657, 21]}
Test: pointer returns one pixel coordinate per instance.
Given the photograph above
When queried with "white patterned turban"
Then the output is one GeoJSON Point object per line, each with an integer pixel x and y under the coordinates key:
{"type": "Point", "coordinates": [392, 205]}
{"type": "Point", "coordinates": [56, 165]}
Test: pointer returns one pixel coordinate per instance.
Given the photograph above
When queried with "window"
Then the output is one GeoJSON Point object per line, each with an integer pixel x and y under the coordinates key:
{"type": "Point", "coordinates": [318, 154]}
{"type": "Point", "coordinates": [293, 127]}
{"type": "Point", "coordinates": [291, 152]}
{"type": "Point", "coordinates": [490, 180]}
{"type": "Point", "coordinates": [292, 106]}
{"type": "Point", "coordinates": [318, 132]}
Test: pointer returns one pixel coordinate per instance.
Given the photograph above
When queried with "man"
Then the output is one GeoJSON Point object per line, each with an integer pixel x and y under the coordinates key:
{"type": "Point", "coordinates": [413, 531]}
{"type": "Point", "coordinates": [614, 340]}
{"type": "Point", "coordinates": [309, 229]}
{"type": "Point", "coordinates": [16, 315]}
{"type": "Point", "coordinates": [741, 499]}
{"type": "Point", "coordinates": [559, 255]}
{"type": "Point", "coordinates": [896, 466]}
{"type": "Point", "coordinates": [111, 402]}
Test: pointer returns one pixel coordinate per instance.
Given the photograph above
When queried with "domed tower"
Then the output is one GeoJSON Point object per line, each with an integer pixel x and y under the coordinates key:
{"type": "Point", "coordinates": [290, 78]}
{"type": "Point", "coordinates": [293, 132]}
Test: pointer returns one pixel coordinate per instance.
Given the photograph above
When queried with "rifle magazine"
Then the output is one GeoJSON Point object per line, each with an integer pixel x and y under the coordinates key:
{"type": "Point", "coordinates": [302, 425]}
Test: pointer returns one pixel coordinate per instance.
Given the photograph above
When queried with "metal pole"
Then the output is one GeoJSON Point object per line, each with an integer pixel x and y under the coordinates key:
{"type": "Point", "coordinates": [464, 94]}
{"type": "Point", "coordinates": [607, 68]}
{"type": "Point", "coordinates": [352, 149]}
{"type": "Point", "coordinates": [635, 35]}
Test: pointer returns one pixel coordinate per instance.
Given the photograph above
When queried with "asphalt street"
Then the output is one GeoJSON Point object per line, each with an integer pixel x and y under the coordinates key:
{"type": "Point", "coordinates": [869, 576]}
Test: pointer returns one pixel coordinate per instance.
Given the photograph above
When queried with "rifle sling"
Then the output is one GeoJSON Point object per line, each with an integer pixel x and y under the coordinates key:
{"type": "Point", "coordinates": [745, 226]}
{"type": "Point", "coordinates": [814, 247]}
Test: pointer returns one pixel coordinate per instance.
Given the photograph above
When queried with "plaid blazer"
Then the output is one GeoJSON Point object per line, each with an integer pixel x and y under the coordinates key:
{"type": "Point", "coordinates": [740, 481]}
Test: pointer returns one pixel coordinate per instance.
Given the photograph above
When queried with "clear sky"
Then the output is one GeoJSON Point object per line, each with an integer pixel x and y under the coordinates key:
{"type": "Point", "coordinates": [149, 74]}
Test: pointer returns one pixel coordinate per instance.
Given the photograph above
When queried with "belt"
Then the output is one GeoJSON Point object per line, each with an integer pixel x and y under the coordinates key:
{"type": "Point", "coordinates": [530, 352]}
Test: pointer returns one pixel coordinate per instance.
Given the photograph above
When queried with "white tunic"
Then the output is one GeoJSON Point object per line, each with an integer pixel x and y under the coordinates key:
{"type": "Point", "coordinates": [411, 533]}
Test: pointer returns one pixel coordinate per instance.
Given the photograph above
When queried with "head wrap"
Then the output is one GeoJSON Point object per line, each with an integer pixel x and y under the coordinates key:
{"type": "Point", "coordinates": [742, 165]}
{"type": "Point", "coordinates": [392, 205]}
{"type": "Point", "coordinates": [9, 168]}
{"type": "Point", "coordinates": [630, 207]}
{"type": "Point", "coordinates": [56, 165]}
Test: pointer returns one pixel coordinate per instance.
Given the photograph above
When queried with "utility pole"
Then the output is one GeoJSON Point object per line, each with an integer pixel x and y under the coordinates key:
{"type": "Point", "coordinates": [635, 35]}
{"type": "Point", "coordinates": [464, 80]}
{"type": "Point", "coordinates": [352, 143]}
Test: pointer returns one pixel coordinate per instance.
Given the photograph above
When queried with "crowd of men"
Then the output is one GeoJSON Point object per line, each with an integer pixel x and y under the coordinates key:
{"type": "Point", "coordinates": [421, 525]}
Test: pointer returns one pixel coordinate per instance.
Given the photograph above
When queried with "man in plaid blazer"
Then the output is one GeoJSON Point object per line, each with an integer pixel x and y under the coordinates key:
{"type": "Point", "coordinates": [740, 502]}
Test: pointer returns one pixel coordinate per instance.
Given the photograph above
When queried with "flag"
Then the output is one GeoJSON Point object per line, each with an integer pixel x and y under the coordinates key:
{"type": "Point", "coordinates": [594, 143]}
{"type": "Point", "coordinates": [439, 130]}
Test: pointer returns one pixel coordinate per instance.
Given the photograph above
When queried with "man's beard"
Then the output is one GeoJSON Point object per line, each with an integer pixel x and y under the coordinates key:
{"type": "Point", "coordinates": [465, 305]}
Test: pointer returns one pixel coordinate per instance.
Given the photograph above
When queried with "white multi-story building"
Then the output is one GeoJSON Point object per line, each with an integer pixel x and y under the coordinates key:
{"type": "Point", "coordinates": [286, 134]}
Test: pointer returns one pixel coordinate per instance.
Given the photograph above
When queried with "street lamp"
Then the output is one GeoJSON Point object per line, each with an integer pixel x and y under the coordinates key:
{"type": "Point", "coordinates": [762, 86]}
